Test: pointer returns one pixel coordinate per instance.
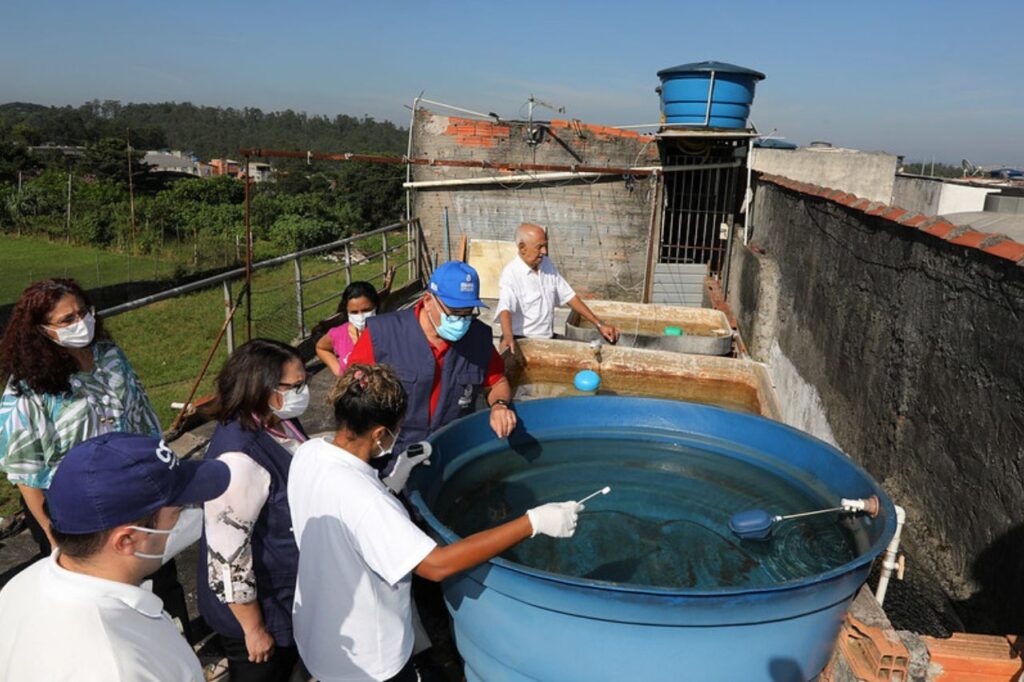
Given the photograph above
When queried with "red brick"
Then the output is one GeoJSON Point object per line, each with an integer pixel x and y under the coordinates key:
{"type": "Point", "coordinates": [913, 219]}
{"type": "Point", "coordinates": [894, 213]}
{"type": "Point", "coordinates": [847, 199]}
{"type": "Point", "coordinates": [969, 238]}
{"type": "Point", "coordinates": [877, 208]}
{"type": "Point", "coordinates": [937, 227]}
{"type": "Point", "coordinates": [861, 204]}
{"type": "Point", "coordinates": [1007, 248]}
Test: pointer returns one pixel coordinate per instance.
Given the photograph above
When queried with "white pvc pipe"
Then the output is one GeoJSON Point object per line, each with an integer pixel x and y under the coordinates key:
{"type": "Point", "coordinates": [522, 178]}
{"type": "Point", "coordinates": [889, 562]}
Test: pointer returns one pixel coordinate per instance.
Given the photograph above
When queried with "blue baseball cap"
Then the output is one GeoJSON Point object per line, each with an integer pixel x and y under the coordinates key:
{"type": "Point", "coordinates": [118, 478]}
{"type": "Point", "coordinates": [457, 285]}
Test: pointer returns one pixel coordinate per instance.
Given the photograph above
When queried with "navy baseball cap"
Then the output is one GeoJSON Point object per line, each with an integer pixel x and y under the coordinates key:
{"type": "Point", "coordinates": [457, 285]}
{"type": "Point", "coordinates": [118, 478]}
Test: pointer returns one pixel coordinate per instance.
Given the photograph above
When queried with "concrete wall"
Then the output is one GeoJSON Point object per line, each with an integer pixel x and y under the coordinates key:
{"type": "Point", "coordinates": [868, 175]}
{"type": "Point", "coordinates": [598, 230]}
{"type": "Point", "coordinates": [898, 339]}
{"type": "Point", "coordinates": [937, 197]}
{"type": "Point", "coordinates": [917, 194]}
{"type": "Point", "coordinates": [961, 198]}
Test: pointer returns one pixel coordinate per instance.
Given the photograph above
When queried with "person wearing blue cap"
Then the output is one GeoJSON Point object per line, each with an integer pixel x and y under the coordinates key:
{"type": "Point", "coordinates": [442, 354]}
{"type": "Point", "coordinates": [114, 507]}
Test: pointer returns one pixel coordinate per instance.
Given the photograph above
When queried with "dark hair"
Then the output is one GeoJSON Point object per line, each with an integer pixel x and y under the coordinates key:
{"type": "Point", "coordinates": [248, 378]}
{"type": "Point", "coordinates": [88, 544]}
{"type": "Point", "coordinates": [366, 396]}
{"type": "Point", "coordinates": [358, 290]}
{"type": "Point", "coordinates": [27, 355]}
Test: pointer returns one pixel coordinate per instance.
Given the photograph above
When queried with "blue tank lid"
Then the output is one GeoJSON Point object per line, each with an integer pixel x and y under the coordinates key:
{"type": "Point", "coordinates": [718, 67]}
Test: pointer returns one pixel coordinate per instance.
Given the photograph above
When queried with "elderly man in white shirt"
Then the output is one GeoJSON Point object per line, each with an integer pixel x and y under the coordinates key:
{"type": "Point", "coordinates": [531, 287]}
{"type": "Point", "coordinates": [115, 506]}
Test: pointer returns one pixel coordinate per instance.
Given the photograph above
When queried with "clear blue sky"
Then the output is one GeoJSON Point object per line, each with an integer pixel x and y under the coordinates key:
{"type": "Point", "coordinates": [909, 77]}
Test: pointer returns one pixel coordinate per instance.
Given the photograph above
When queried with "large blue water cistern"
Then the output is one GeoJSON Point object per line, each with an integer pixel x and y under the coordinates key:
{"type": "Point", "coordinates": [707, 94]}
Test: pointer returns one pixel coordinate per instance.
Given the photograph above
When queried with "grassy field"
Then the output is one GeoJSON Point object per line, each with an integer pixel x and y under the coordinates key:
{"type": "Point", "coordinates": [167, 342]}
{"type": "Point", "coordinates": [27, 259]}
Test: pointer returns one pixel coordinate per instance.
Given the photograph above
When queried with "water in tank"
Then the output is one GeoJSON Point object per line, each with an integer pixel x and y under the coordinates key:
{"type": "Point", "coordinates": [653, 586]}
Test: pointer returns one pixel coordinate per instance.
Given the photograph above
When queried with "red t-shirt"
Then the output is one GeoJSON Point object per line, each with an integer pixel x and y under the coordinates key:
{"type": "Point", "coordinates": [362, 354]}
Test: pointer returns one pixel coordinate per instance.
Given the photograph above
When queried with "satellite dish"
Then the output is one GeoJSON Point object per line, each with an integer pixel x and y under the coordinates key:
{"type": "Point", "coordinates": [969, 168]}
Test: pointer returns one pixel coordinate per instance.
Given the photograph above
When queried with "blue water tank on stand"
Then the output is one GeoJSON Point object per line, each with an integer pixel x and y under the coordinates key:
{"type": "Point", "coordinates": [707, 94]}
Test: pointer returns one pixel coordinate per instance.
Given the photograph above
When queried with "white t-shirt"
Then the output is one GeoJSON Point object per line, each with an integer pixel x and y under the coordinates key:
{"type": "Point", "coordinates": [56, 625]}
{"type": "Point", "coordinates": [357, 550]}
{"type": "Point", "coordinates": [531, 296]}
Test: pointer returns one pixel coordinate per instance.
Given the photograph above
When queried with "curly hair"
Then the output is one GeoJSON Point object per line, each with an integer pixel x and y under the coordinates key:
{"type": "Point", "coordinates": [28, 357]}
{"type": "Point", "coordinates": [248, 379]}
{"type": "Point", "coordinates": [366, 396]}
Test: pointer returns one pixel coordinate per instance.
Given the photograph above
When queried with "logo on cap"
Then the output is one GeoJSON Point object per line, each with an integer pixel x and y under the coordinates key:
{"type": "Point", "coordinates": [166, 455]}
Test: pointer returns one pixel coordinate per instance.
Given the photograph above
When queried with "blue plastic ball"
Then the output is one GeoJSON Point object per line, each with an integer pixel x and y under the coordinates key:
{"type": "Point", "coordinates": [587, 380]}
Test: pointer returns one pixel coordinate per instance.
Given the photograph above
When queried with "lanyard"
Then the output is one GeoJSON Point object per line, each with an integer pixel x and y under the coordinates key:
{"type": "Point", "coordinates": [294, 434]}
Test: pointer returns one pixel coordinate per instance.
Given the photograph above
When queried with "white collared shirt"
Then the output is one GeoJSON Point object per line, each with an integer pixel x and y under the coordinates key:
{"type": "Point", "coordinates": [531, 296]}
{"type": "Point", "coordinates": [59, 625]}
{"type": "Point", "coordinates": [357, 550]}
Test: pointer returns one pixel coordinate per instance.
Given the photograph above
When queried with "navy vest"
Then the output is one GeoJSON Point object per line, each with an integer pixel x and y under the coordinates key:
{"type": "Point", "coordinates": [399, 341]}
{"type": "Point", "coordinates": [275, 555]}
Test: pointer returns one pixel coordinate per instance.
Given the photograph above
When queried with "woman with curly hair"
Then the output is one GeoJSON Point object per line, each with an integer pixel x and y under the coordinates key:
{"type": "Point", "coordinates": [358, 548]}
{"type": "Point", "coordinates": [67, 381]}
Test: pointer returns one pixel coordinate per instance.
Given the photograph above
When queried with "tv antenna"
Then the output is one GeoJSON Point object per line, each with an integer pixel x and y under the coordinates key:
{"type": "Point", "coordinates": [536, 133]}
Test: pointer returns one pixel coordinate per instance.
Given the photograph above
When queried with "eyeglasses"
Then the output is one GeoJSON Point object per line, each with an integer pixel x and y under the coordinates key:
{"type": "Point", "coordinates": [471, 313]}
{"type": "Point", "coordinates": [298, 385]}
{"type": "Point", "coordinates": [74, 317]}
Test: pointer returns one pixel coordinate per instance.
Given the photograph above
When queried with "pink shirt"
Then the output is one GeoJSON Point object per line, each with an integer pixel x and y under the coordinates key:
{"type": "Point", "coordinates": [343, 344]}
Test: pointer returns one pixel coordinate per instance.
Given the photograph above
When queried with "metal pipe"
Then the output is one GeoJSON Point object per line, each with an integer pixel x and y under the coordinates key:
{"type": "Point", "coordinates": [348, 264]}
{"type": "Point", "coordinates": [300, 310]}
{"type": "Point", "coordinates": [711, 94]}
{"type": "Point", "coordinates": [447, 237]}
{"type": "Point", "coordinates": [492, 117]}
{"type": "Point", "coordinates": [248, 256]}
{"type": "Point", "coordinates": [552, 177]}
{"type": "Point", "coordinates": [459, 163]}
{"type": "Point", "coordinates": [238, 272]}
{"type": "Point", "coordinates": [228, 315]}
{"type": "Point", "coordinates": [408, 175]}
{"type": "Point", "coordinates": [748, 195]}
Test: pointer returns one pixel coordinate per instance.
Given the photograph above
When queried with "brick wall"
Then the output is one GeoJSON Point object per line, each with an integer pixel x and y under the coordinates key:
{"type": "Point", "coordinates": [598, 228]}
{"type": "Point", "coordinates": [908, 331]}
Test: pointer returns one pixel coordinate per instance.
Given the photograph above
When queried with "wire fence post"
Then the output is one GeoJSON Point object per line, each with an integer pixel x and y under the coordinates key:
{"type": "Point", "coordinates": [384, 253]}
{"type": "Point", "coordinates": [228, 299]}
{"type": "Point", "coordinates": [348, 265]}
{"type": "Point", "coordinates": [418, 247]}
{"type": "Point", "coordinates": [299, 309]}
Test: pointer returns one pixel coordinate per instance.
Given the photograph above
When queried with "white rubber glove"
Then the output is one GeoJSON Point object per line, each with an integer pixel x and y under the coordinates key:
{"type": "Point", "coordinates": [557, 519]}
{"type": "Point", "coordinates": [405, 463]}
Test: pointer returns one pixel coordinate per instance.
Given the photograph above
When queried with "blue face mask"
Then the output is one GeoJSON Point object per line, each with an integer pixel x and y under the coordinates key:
{"type": "Point", "coordinates": [452, 328]}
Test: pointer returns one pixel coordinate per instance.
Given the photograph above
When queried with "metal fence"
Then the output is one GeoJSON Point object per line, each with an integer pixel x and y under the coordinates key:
{"type": "Point", "coordinates": [399, 246]}
{"type": "Point", "coordinates": [701, 201]}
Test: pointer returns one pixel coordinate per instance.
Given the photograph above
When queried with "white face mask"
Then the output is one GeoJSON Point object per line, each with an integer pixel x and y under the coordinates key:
{"type": "Point", "coordinates": [293, 402]}
{"type": "Point", "coordinates": [394, 439]}
{"type": "Point", "coordinates": [77, 335]}
{"type": "Point", "coordinates": [358, 320]}
{"type": "Point", "coordinates": [186, 532]}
